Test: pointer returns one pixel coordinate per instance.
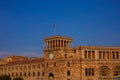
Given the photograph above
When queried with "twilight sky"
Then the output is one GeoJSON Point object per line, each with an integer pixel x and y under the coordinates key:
{"type": "Point", "coordinates": [25, 23]}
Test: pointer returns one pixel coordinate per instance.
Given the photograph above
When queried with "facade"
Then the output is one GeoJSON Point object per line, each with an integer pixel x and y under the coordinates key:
{"type": "Point", "coordinates": [61, 61]}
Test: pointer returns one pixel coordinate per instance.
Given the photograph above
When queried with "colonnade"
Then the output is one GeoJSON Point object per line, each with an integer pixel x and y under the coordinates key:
{"type": "Point", "coordinates": [59, 43]}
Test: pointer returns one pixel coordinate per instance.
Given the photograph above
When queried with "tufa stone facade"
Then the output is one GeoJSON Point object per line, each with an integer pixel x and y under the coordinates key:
{"type": "Point", "coordinates": [63, 62]}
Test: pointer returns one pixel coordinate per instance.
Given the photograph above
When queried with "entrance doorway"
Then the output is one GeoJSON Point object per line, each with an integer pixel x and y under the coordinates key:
{"type": "Point", "coordinates": [51, 76]}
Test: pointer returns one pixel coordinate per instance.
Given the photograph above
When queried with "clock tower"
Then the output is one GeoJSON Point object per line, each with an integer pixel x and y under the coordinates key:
{"type": "Point", "coordinates": [55, 46]}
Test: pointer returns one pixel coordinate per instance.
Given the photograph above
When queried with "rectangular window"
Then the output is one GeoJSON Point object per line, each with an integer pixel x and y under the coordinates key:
{"type": "Point", "coordinates": [85, 54]}
{"type": "Point", "coordinates": [68, 64]}
{"type": "Point", "coordinates": [89, 71]}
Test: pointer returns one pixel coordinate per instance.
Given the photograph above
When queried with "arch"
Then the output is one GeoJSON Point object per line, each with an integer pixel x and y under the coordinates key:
{"type": "Point", "coordinates": [51, 76]}
{"type": "Point", "coordinates": [104, 71]}
{"type": "Point", "coordinates": [116, 71]}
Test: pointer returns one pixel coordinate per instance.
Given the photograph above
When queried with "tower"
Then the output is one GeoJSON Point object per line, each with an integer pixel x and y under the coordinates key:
{"type": "Point", "coordinates": [52, 45]}
{"type": "Point", "coordinates": [54, 51]}
{"type": "Point", "coordinates": [57, 42]}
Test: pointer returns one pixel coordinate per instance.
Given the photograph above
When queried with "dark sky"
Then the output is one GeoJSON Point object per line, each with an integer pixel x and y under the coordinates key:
{"type": "Point", "coordinates": [25, 23]}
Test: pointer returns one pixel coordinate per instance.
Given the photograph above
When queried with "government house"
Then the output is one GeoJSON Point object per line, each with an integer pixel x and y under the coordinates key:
{"type": "Point", "coordinates": [62, 61]}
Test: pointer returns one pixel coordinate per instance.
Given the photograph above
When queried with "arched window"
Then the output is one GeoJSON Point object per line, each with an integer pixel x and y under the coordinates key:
{"type": "Point", "coordinates": [100, 55]}
{"type": "Point", "coordinates": [89, 54]}
{"type": "Point", "coordinates": [113, 54]}
{"type": "Point", "coordinates": [117, 55]}
{"type": "Point", "coordinates": [107, 55]}
{"type": "Point", "coordinates": [116, 71]}
{"type": "Point", "coordinates": [85, 54]}
{"type": "Point", "coordinates": [93, 54]}
{"type": "Point", "coordinates": [103, 54]}
{"type": "Point", "coordinates": [104, 71]}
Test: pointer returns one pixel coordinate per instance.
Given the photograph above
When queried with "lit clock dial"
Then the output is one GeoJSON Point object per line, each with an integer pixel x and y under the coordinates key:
{"type": "Point", "coordinates": [51, 56]}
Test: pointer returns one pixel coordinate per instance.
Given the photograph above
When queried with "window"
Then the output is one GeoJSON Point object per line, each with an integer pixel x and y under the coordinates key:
{"type": "Point", "coordinates": [103, 55]}
{"type": "Point", "coordinates": [33, 73]}
{"type": "Point", "coordinates": [47, 64]}
{"type": "Point", "coordinates": [104, 71]}
{"type": "Point", "coordinates": [42, 65]}
{"type": "Point", "coordinates": [29, 67]}
{"type": "Point", "coordinates": [24, 73]}
{"type": "Point", "coordinates": [107, 55]}
{"type": "Point", "coordinates": [117, 55]}
{"type": "Point", "coordinates": [20, 74]}
{"type": "Point", "coordinates": [113, 55]}
{"type": "Point", "coordinates": [33, 66]}
{"type": "Point", "coordinates": [116, 71]}
{"type": "Point", "coordinates": [89, 54]}
{"type": "Point", "coordinates": [93, 54]}
{"type": "Point", "coordinates": [89, 71]}
{"type": "Point", "coordinates": [12, 74]}
{"type": "Point", "coordinates": [100, 55]}
{"type": "Point", "coordinates": [43, 74]}
{"type": "Point", "coordinates": [16, 74]}
{"type": "Point", "coordinates": [68, 73]}
{"type": "Point", "coordinates": [24, 67]}
{"type": "Point", "coordinates": [65, 55]}
{"type": "Point", "coordinates": [68, 64]}
{"type": "Point", "coordinates": [38, 66]}
{"type": "Point", "coordinates": [54, 64]}
{"type": "Point", "coordinates": [29, 74]}
{"type": "Point", "coordinates": [85, 54]}
{"type": "Point", "coordinates": [38, 73]}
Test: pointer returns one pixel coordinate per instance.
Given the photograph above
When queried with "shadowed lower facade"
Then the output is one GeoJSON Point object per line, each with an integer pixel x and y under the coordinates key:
{"type": "Point", "coordinates": [61, 61]}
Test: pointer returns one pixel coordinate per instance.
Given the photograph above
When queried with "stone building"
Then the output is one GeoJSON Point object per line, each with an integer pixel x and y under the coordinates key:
{"type": "Point", "coordinates": [61, 61]}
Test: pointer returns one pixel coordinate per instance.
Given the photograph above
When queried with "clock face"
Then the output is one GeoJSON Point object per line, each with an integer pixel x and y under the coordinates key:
{"type": "Point", "coordinates": [51, 56]}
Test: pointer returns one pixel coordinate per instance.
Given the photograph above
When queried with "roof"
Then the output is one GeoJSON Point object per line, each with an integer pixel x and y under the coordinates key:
{"type": "Point", "coordinates": [58, 37]}
{"type": "Point", "coordinates": [26, 61]}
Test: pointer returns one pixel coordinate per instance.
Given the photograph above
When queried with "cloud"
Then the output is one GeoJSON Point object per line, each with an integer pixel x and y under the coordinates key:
{"type": "Point", "coordinates": [28, 54]}
{"type": "Point", "coordinates": [5, 54]}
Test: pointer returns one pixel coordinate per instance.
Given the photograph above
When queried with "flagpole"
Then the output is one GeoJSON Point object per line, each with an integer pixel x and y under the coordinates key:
{"type": "Point", "coordinates": [54, 28]}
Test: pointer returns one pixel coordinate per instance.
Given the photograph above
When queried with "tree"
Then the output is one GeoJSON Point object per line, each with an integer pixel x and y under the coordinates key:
{"type": "Point", "coordinates": [18, 78]}
{"type": "Point", "coordinates": [5, 77]}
